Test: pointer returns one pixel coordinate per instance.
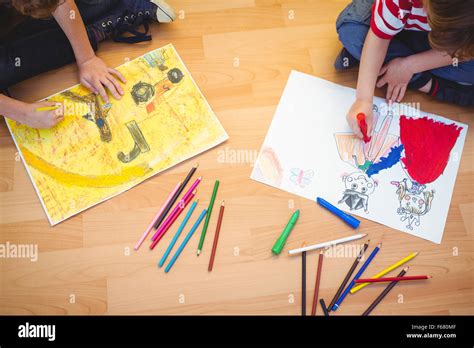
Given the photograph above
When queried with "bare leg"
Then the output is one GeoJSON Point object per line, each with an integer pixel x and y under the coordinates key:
{"type": "Point", "coordinates": [426, 88]}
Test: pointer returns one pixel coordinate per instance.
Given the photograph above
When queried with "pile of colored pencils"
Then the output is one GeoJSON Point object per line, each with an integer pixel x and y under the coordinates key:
{"type": "Point", "coordinates": [352, 284]}
{"type": "Point", "coordinates": [167, 215]}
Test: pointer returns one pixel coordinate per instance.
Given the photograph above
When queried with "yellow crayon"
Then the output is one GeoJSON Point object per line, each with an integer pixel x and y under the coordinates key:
{"type": "Point", "coordinates": [384, 272]}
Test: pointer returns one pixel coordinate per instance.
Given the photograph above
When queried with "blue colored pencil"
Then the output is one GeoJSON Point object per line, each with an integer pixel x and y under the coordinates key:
{"type": "Point", "coordinates": [186, 240]}
{"type": "Point", "coordinates": [357, 276]}
{"type": "Point", "coordinates": [178, 233]}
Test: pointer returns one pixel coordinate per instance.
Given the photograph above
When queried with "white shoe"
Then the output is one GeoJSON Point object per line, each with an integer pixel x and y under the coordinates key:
{"type": "Point", "coordinates": [164, 12]}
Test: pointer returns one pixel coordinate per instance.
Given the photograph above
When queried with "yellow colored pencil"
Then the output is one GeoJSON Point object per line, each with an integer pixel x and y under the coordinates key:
{"type": "Point", "coordinates": [48, 108]}
{"type": "Point", "coordinates": [384, 272]}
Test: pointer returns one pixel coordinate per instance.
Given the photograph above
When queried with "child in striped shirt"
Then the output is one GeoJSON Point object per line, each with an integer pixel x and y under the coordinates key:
{"type": "Point", "coordinates": [421, 45]}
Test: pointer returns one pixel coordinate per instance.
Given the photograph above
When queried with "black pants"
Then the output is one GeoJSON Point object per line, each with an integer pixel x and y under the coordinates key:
{"type": "Point", "coordinates": [36, 46]}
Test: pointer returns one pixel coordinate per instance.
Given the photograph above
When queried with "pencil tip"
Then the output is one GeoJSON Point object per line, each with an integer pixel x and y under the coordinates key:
{"type": "Point", "coordinates": [198, 252]}
{"type": "Point", "coordinates": [322, 251]}
{"type": "Point", "coordinates": [196, 165]}
{"type": "Point", "coordinates": [223, 203]}
{"type": "Point", "coordinates": [430, 277]}
{"type": "Point", "coordinates": [194, 191]}
{"type": "Point", "coordinates": [380, 244]}
{"type": "Point", "coordinates": [406, 268]}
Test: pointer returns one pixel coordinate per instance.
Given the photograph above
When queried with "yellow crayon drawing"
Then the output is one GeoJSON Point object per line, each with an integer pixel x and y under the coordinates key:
{"type": "Point", "coordinates": [100, 150]}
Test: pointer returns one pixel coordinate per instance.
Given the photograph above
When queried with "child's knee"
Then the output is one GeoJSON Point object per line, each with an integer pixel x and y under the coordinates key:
{"type": "Point", "coordinates": [352, 37]}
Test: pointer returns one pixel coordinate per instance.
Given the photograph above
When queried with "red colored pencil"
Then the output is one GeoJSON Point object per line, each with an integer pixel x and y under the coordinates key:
{"type": "Point", "coordinates": [318, 278]}
{"type": "Point", "coordinates": [392, 279]}
{"type": "Point", "coordinates": [216, 237]}
{"type": "Point", "coordinates": [181, 206]}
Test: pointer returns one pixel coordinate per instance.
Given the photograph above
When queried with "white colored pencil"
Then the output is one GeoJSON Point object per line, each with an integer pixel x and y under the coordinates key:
{"type": "Point", "coordinates": [326, 244]}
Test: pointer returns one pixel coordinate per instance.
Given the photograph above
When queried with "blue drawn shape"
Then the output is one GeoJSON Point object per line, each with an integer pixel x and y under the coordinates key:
{"type": "Point", "coordinates": [156, 59]}
{"type": "Point", "coordinates": [386, 162]}
{"type": "Point", "coordinates": [100, 122]}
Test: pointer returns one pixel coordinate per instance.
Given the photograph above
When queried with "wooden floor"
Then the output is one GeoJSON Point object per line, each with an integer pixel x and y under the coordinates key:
{"type": "Point", "coordinates": [240, 53]}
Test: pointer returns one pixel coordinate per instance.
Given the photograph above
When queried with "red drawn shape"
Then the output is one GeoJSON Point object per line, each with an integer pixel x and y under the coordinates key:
{"type": "Point", "coordinates": [427, 145]}
{"type": "Point", "coordinates": [150, 107]}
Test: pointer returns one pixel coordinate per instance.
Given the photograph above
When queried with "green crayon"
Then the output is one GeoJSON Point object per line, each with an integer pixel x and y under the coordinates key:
{"type": "Point", "coordinates": [280, 243]}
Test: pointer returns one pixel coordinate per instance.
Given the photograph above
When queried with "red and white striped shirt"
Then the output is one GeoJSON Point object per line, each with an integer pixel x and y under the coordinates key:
{"type": "Point", "coordinates": [389, 17]}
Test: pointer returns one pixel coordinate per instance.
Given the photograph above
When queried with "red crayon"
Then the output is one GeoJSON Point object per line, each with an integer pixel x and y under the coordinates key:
{"type": "Point", "coordinates": [363, 126]}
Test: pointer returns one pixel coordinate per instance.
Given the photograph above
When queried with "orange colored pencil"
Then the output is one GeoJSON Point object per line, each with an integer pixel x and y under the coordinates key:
{"type": "Point", "coordinates": [216, 237]}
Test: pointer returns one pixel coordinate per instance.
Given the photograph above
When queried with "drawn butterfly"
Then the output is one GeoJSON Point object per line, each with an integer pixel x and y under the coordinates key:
{"type": "Point", "coordinates": [301, 177]}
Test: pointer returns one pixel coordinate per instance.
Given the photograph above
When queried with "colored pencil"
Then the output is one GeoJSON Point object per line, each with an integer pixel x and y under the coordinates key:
{"type": "Point", "coordinates": [176, 208]}
{"type": "Point", "coordinates": [385, 271]}
{"type": "Point", "coordinates": [216, 237]}
{"type": "Point", "coordinates": [327, 244]}
{"type": "Point", "coordinates": [208, 217]}
{"type": "Point", "coordinates": [323, 306]}
{"type": "Point", "coordinates": [178, 233]}
{"type": "Point", "coordinates": [303, 282]}
{"type": "Point", "coordinates": [192, 188]}
{"type": "Point", "coordinates": [393, 279]}
{"type": "Point", "coordinates": [181, 207]}
{"type": "Point", "coordinates": [175, 196]}
{"type": "Point", "coordinates": [150, 227]}
{"type": "Point", "coordinates": [384, 293]}
{"type": "Point", "coordinates": [186, 240]}
{"type": "Point", "coordinates": [48, 108]}
{"type": "Point", "coordinates": [318, 279]}
{"type": "Point", "coordinates": [357, 276]}
{"type": "Point", "coordinates": [348, 275]}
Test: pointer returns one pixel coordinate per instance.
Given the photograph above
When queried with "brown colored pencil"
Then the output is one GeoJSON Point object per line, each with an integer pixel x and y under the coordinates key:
{"type": "Point", "coordinates": [348, 275]}
{"type": "Point", "coordinates": [318, 278]}
{"type": "Point", "coordinates": [216, 237]}
{"type": "Point", "coordinates": [384, 293]}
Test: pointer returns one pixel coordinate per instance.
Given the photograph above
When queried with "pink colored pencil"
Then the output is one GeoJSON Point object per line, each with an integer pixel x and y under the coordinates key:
{"type": "Point", "coordinates": [148, 230]}
{"type": "Point", "coordinates": [168, 219]}
{"type": "Point", "coordinates": [191, 189]}
{"type": "Point", "coordinates": [166, 227]}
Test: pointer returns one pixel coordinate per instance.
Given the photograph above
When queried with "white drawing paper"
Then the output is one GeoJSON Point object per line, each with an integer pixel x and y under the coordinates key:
{"type": "Point", "coordinates": [310, 151]}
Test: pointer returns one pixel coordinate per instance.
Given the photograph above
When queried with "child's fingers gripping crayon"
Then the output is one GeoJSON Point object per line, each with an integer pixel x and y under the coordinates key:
{"type": "Point", "coordinates": [361, 121]}
{"type": "Point", "coordinates": [359, 107]}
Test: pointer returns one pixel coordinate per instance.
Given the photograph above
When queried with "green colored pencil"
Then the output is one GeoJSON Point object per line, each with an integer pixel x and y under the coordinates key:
{"type": "Point", "coordinates": [208, 217]}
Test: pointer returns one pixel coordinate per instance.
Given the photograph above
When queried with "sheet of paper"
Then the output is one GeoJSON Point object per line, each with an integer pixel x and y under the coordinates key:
{"type": "Point", "coordinates": [99, 150]}
{"type": "Point", "coordinates": [403, 178]}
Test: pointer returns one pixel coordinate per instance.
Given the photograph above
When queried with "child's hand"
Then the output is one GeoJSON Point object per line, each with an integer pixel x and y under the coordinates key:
{"type": "Point", "coordinates": [39, 119]}
{"type": "Point", "coordinates": [360, 106]}
{"type": "Point", "coordinates": [95, 75]}
{"type": "Point", "coordinates": [396, 75]}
